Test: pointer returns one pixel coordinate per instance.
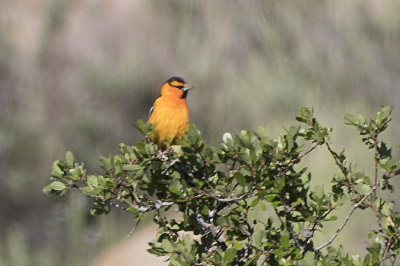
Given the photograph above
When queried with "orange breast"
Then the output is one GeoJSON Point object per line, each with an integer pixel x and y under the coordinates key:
{"type": "Point", "coordinates": [171, 117]}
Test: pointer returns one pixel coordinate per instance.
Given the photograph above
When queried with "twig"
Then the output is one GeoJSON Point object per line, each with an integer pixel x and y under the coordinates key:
{"type": "Point", "coordinates": [316, 222]}
{"type": "Point", "coordinates": [353, 208]}
{"type": "Point", "coordinates": [157, 205]}
{"type": "Point", "coordinates": [375, 138]}
{"type": "Point", "coordinates": [135, 196]}
{"type": "Point", "coordinates": [133, 229]}
{"type": "Point", "coordinates": [244, 196]}
{"type": "Point", "coordinates": [247, 233]}
{"type": "Point", "coordinates": [301, 156]}
{"type": "Point", "coordinates": [170, 165]}
{"type": "Point", "coordinates": [386, 250]}
{"type": "Point", "coordinates": [378, 220]}
{"type": "Point", "coordinates": [212, 229]}
{"type": "Point", "coordinates": [288, 224]}
{"type": "Point", "coordinates": [351, 186]}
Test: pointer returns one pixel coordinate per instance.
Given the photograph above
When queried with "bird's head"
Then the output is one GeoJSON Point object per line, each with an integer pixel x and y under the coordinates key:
{"type": "Point", "coordinates": [175, 87]}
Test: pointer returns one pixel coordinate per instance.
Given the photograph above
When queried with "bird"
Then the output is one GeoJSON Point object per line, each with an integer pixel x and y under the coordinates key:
{"type": "Point", "coordinates": [170, 113]}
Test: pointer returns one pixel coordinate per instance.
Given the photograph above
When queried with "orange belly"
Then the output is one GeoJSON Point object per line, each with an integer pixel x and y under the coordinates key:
{"type": "Point", "coordinates": [171, 121]}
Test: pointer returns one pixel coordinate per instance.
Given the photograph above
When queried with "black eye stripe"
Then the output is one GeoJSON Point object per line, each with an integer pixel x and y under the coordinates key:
{"type": "Point", "coordinates": [176, 86]}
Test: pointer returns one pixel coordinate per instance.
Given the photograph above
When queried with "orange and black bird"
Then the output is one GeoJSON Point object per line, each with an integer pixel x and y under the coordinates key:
{"type": "Point", "coordinates": [170, 113]}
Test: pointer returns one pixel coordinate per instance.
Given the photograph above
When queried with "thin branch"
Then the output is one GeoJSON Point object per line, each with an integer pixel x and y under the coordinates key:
{"type": "Point", "coordinates": [376, 156]}
{"type": "Point", "coordinates": [351, 186]}
{"type": "Point", "coordinates": [158, 204]}
{"type": "Point", "coordinates": [378, 220]}
{"type": "Point", "coordinates": [211, 228]}
{"type": "Point", "coordinates": [133, 229]}
{"type": "Point", "coordinates": [353, 208]}
{"type": "Point", "coordinates": [316, 222]}
{"type": "Point", "coordinates": [170, 165]}
{"type": "Point", "coordinates": [301, 156]}
{"type": "Point", "coordinates": [389, 241]}
{"type": "Point", "coordinates": [135, 196]}
{"type": "Point", "coordinates": [230, 199]}
{"type": "Point", "coordinates": [287, 223]}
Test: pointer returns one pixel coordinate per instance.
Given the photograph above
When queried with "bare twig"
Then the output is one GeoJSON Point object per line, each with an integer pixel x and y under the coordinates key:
{"type": "Point", "coordinates": [135, 196]}
{"type": "Point", "coordinates": [351, 186]}
{"type": "Point", "coordinates": [287, 223]}
{"type": "Point", "coordinates": [133, 229]}
{"type": "Point", "coordinates": [158, 204]}
{"type": "Point", "coordinates": [378, 220]}
{"type": "Point", "coordinates": [170, 165]}
{"type": "Point", "coordinates": [211, 228]}
{"type": "Point", "coordinates": [316, 222]}
{"type": "Point", "coordinates": [230, 199]}
{"type": "Point", "coordinates": [301, 156]}
{"type": "Point", "coordinates": [247, 233]}
{"type": "Point", "coordinates": [353, 208]}
{"type": "Point", "coordinates": [389, 241]}
{"type": "Point", "coordinates": [376, 158]}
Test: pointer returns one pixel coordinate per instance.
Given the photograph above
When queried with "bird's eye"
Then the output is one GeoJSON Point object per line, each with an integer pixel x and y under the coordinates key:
{"type": "Point", "coordinates": [179, 87]}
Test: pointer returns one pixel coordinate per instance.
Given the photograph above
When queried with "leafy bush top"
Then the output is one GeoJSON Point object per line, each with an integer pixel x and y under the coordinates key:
{"type": "Point", "coordinates": [247, 202]}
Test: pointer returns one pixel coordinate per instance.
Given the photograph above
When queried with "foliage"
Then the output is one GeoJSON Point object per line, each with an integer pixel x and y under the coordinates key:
{"type": "Point", "coordinates": [248, 202]}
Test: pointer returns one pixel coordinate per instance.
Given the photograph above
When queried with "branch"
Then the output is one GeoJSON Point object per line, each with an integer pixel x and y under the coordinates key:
{"type": "Point", "coordinates": [287, 223]}
{"type": "Point", "coordinates": [351, 186]}
{"type": "Point", "coordinates": [315, 223]}
{"type": "Point", "coordinates": [378, 220]}
{"type": "Point", "coordinates": [354, 207]}
{"type": "Point", "coordinates": [133, 229]}
{"type": "Point", "coordinates": [301, 156]}
{"type": "Point", "coordinates": [210, 228]}
{"type": "Point", "coordinates": [230, 199]}
{"type": "Point", "coordinates": [389, 241]}
{"type": "Point", "coordinates": [247, 233]}
{"type": "Point", "coordinates": [376, 157]}
{"type": "Point", "coordinates": [158, 204]}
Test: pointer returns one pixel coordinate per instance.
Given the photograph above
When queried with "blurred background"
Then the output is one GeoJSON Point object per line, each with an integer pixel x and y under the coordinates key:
{"type": "Point", "coordinates": [74, 75]}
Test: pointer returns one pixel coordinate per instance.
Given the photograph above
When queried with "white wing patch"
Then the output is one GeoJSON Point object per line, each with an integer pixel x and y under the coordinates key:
{"type": "Point", "coordinates": [151, 111]}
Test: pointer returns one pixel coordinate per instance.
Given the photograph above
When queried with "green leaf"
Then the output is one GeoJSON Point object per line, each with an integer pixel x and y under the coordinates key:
{"type": "Point", "coordinates": [362, 188]}
{"type": "Point", "coordinates": [263, 135]}
{"type": "Point", "coordinates": [90, 191]}
{"type": "Point", "coordinates": [47, 190]}
{"type": "Point", "coordinates": [258, 235]}
{"type": "Point", "coordinates": [175, 190]}
{"type": "Point", "coordinates": [69, 158]}
{"type": "Point", "coordinates": [105, 163]}
{"type": "Point", "coordinates": [167, 245]}
{"type": "Point", "coordinates": [134, 211]}
{"type": "Point", "coordinates": [57, 172]}
{"type": "Point", "coordinates": [57, 185]}
{"type": "Point", "coordinates": [382, 115]}
{"type": "Point", "coordinates": [254, 202]}
{"type": "Point", "coordinates": [354, 120]}
{"type": "Point", "coordinates": [92, 181]}
{"type": "Point", "coordinates": [240, 178]}
{"type": "Point", "coordinates": [331, 218]}
{"type": "Point", "coordinates": [229, 256]}
{"type": "Point", "coordinates": [305, 115]}
{"type": "Point", "coordinates": [144, 128]}
{"type": "Point", "coordinates": [131, 167]}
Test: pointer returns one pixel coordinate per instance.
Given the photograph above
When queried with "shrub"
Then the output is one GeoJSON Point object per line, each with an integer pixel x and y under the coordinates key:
{"type": "Point", "coordinates": [249, 201]}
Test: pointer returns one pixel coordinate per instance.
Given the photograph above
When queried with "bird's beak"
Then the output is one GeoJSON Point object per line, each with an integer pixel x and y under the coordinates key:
{"type": "Point", "coordinates": [187, 88]}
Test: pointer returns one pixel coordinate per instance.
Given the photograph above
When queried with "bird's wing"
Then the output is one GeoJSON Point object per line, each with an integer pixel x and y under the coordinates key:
{"type": "Point", "coordinates": [151, 111]}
